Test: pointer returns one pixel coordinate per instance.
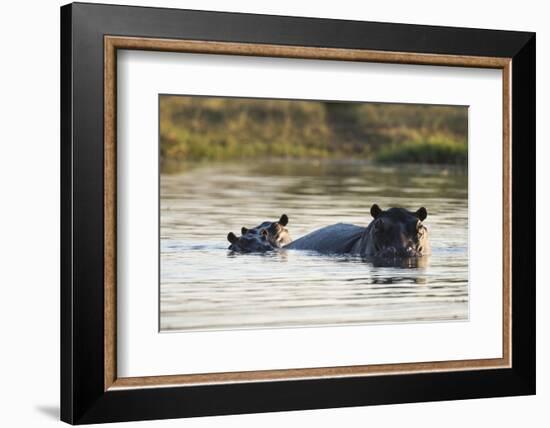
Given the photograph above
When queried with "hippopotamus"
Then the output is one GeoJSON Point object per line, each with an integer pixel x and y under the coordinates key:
{"type": "Point", "coordinates": [267, 236]}
{"type": "Point", "coordinates": [395, 232]}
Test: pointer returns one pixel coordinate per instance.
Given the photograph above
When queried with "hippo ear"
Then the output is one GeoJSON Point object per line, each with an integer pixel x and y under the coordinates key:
{"type": "Point", "coordinates": [244, 230]}
{"type": "Point", "coordinates": [231, 237]}
{"type": "Point", "coordinates": [283, 221]}
{"type": "Point", "coordinates": [422, 213]}
{"type": "Point", "coordinates": [375, 211]}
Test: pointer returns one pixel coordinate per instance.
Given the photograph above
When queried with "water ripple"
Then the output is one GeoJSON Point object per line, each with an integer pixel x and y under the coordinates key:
{"type": "Point", "coordinates": [204, 286]}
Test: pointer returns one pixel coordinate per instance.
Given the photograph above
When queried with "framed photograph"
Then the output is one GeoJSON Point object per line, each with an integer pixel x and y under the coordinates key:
{"type": "Point", "coordinates": [266, 213]}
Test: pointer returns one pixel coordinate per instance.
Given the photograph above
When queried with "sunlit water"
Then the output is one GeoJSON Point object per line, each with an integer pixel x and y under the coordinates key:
{"type": "Point", "coordinates": [204, 286]}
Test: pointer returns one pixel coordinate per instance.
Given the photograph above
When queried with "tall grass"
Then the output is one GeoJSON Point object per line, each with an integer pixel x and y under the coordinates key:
{"type": "Point", "coordinates": [214, 128]}
{"type": "Point", "coordinates": [434, 150]}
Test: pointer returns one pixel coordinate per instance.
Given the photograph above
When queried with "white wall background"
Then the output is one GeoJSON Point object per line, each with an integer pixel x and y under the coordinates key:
{"type": "Point", "coordinates": [29, 213]}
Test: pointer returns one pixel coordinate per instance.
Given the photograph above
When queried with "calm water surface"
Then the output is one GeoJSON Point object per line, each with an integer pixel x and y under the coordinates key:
{"type": "Point", "coordinates": [204, 286]}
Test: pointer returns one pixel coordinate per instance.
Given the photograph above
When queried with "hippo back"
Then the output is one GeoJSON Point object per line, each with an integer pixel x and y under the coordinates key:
{"type": "Point", "coordinates": [338, 238]}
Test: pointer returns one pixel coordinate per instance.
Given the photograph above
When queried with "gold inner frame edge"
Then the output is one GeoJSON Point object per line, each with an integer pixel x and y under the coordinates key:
{"type": "Point", "coordinates": [113, 43]}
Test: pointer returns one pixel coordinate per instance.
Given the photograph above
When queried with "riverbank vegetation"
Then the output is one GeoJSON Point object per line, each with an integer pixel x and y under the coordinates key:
{"type": "Point", "coordinates": [214, 128]}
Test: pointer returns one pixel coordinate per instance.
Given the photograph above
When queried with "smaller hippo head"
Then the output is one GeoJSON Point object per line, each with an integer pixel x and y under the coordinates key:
{"type": "Point", "coordinates": [264, 237]}
{"type": "Point", "coordinates": [249, 243]}
{"type": "Point", "coordinates": [398, 232]}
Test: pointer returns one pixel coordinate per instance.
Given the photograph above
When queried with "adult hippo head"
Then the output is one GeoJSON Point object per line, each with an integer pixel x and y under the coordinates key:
{"type": "Point", "coordinates": [396, 232]}
{"type": "Point", "coordinates": [264, 237]}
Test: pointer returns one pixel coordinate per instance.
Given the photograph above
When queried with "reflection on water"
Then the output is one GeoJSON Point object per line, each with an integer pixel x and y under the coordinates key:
{"type": "Point", "coordinates": [204, 286]}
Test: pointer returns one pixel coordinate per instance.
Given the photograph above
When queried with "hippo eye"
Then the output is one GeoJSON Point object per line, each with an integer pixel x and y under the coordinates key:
{"type": "Point", "coordinates": [379, 225]}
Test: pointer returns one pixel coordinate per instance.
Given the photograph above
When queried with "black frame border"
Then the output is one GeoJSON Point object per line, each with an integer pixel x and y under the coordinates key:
{"type": "Point", "coordinates": [83, 399]}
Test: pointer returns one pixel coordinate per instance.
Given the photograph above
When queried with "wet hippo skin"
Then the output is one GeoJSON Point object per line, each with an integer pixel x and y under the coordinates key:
{"type": "Point", "coordinates": [393, 233]}
{"type": "Point", "coordinates": [267, 236]}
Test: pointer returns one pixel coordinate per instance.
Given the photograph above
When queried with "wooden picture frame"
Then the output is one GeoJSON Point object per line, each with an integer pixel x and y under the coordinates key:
{"type": "Point", "coordinates": [91, 390]}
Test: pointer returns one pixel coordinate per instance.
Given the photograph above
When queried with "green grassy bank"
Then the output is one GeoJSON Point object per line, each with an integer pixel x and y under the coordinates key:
{"type": "Point", "coordinates": [212, 128]}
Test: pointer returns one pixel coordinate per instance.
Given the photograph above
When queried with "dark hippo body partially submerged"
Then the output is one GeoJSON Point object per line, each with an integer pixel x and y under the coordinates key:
{"type": "Point", "coordinates": [267, 236]}
{"type": "Point", "coordinates": [395, 232]}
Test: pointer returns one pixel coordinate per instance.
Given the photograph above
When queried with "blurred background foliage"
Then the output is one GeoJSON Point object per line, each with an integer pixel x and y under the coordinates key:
{"type": "Point", "coordinates": [196, 128]}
